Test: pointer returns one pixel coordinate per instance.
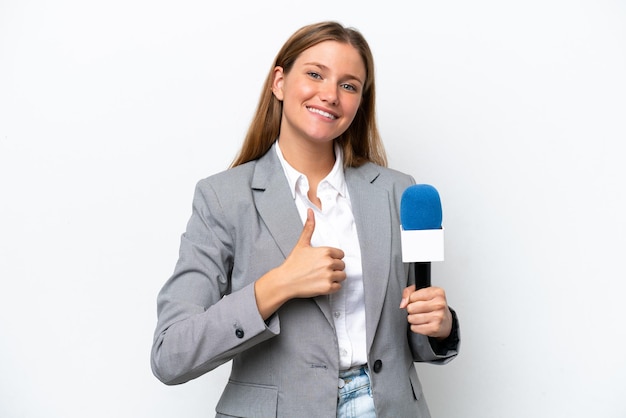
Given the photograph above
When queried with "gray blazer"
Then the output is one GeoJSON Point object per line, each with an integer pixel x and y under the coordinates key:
{"type": "Point", "coordinates": [244, 222]}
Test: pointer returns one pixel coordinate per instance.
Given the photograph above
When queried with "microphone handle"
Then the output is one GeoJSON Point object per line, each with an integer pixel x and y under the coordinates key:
{"type": "Point", "coordinates": [422, 275]}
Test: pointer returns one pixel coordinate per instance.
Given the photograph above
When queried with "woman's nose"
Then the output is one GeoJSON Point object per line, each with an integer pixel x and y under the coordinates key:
{"type": "Point", "coordinates": [328, 93]}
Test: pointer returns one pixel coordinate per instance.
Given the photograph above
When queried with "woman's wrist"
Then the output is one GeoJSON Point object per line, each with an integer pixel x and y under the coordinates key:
{"type": "Point", "coordinates": [269, 293]}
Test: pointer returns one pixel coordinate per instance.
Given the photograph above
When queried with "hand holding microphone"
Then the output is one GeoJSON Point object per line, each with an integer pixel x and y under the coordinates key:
{"type": "Point", "coordinates": [422, 243]}
{"type": "Point", "coordinates": [427, 311]}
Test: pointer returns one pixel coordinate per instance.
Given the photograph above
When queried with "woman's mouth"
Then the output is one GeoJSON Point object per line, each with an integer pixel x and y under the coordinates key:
{"type": "Point", "coordinates": [322, 113]}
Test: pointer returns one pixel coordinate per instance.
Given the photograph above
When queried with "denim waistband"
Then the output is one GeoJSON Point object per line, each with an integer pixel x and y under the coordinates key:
{"type": "Point", "coordinates": [353, 372]}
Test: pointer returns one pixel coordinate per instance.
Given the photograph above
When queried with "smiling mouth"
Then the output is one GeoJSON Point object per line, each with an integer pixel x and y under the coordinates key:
{"type": "Point", "coordinates": [322, 113]}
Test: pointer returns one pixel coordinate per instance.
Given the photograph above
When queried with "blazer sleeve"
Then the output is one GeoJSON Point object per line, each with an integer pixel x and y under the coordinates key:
{"type": "Point", "coordinates": [201, 324]}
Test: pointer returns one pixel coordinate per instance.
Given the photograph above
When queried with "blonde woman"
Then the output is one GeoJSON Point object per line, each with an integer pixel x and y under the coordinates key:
{"type": "Point", "coordinates": [290, 265]}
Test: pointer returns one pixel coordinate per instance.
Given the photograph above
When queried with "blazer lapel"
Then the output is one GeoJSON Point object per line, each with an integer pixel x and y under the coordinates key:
{"type": "Point", "coordinates": [370, 205]}
{"type": "Point", "coordinates": [275, 203]}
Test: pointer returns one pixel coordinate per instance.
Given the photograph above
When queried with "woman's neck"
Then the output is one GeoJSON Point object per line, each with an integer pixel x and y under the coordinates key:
{"type": "Point", "coordinates": [315, 161]}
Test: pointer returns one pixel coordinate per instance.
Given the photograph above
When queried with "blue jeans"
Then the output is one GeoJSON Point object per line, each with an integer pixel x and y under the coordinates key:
{"type": "Point", "coordinates": [354, 399]}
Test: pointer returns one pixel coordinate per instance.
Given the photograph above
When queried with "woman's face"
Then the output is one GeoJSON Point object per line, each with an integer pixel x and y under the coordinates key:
{"type": "Point", "coordinates": [321, 93]}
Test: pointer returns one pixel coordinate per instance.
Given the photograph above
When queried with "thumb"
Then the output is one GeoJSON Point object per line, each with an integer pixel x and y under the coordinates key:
{"type": "Point", "coordinates": [406, 293]}
{"type": "Point", "coordinates": [307, 230]}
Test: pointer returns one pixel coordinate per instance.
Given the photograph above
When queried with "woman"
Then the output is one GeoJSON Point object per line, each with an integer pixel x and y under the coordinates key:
{"type": "Point", "coordinates": [321, 319]}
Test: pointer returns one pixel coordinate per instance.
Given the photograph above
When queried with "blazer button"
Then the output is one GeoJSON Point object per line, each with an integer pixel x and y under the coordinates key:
{"type": "Point", "coordinates": [239, 333]}
{"type": "Point", "coordinates": [378, 364]}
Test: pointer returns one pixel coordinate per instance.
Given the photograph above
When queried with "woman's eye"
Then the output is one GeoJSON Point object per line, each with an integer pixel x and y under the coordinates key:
{"type": "Point", "coordinates": [314, 74]}
{"type": "Point", "coordinates": [348, 87]}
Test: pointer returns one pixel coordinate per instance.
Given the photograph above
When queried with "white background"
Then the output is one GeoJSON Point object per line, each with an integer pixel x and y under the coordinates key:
{"type": "Point", "coordinates": [111, 111]}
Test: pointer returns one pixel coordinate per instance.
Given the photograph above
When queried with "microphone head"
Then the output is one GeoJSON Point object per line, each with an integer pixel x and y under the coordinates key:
{"type": "Point", "coordinates": [420, 208]}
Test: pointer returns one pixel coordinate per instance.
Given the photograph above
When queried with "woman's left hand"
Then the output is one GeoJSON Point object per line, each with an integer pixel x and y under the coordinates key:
{"type": "Point", "coordinates": [427, 311]}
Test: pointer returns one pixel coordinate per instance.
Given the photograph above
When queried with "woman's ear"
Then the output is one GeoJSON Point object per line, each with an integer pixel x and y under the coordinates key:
{"type": "Point", "coordinates": [277, 84]}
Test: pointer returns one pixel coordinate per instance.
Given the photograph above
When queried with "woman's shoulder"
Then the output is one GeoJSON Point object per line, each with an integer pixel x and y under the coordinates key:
{"type": "Point", "coordinates": [229, 176]}
{"type": "Point", "coordinates": [227, 186]}
{"type": "Point", "coordinates": [385, 175]}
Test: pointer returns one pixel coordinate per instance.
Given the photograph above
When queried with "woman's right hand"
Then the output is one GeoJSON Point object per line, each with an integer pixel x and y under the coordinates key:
{"type": "Point", "coordinates": [307, 272]}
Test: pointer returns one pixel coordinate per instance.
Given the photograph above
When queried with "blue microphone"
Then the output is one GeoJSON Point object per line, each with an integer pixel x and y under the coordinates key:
{"type": "Point", "coordinates": [422, 233]}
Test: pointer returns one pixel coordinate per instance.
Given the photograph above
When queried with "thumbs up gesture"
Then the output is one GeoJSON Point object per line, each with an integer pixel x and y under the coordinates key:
{"type": "Point", "coordinates": [313, 271]}
{"type": "Point", "coordinates": [307, 272]}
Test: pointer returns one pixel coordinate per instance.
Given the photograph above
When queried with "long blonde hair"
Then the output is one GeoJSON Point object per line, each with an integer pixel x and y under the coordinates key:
{"type": "Point", "coordinates": [361, 142]}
